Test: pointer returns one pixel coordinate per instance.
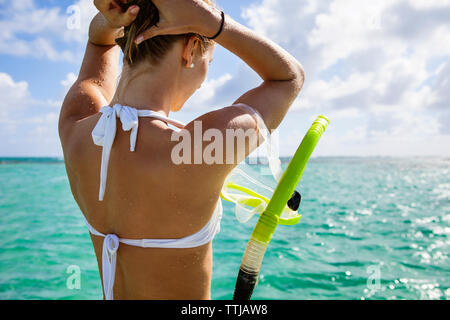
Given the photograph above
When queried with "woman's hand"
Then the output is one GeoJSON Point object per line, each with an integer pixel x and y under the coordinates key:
{"type": "Point", "coordinates": [113, 13]}
{"type": "Point", "coordinates": [183, 16]}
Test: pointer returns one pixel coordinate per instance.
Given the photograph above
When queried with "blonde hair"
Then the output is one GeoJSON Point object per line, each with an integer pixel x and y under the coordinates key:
{"type": "Point", "coordinates": [154, 49]}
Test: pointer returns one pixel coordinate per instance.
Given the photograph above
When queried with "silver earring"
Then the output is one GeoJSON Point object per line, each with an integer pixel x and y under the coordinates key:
{"type": "Point", "coordinates": [192, 66]}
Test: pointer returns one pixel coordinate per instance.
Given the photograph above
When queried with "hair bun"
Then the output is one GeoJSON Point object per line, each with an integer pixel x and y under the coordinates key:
{"type": "Point", "coordinates": [154, 48]}
{"type": "Point", "coordinates": [147, 17]}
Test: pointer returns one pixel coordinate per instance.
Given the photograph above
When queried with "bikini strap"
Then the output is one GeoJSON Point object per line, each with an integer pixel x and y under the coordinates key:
{"type": "Point", "coordinates": [104, 132]}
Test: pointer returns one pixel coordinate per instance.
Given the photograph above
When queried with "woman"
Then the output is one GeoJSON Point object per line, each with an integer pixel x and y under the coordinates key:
{"type": "Point", "coordinates": [153, 220]}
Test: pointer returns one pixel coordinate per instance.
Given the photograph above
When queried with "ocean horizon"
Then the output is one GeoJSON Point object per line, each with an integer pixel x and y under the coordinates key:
{"type": "Point", "coordinates": [284, 159]}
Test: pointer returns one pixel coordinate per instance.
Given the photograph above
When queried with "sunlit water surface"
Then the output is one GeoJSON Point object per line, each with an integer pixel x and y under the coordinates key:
{"type": "Point", "coordinates": [371, 228]}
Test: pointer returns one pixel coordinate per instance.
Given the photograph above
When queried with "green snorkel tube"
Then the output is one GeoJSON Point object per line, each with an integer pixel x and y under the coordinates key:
{"type": "Point", "coordinates": [262, 234]}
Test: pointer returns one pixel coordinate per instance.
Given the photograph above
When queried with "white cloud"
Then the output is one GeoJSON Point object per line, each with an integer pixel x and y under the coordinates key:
{"type": "Point", "coordinates": [28, 127]}
{"type": "Point", "coordinates": [68, 82]}
{"type": "Point", "coordinates": [203, 98]}
{"type": "Point", "coordinates": [426, 4]}
{"type": "Point", "coordinates": [40, 32]}
{"type": "Point", "coordinates": [14, 94]}
{"type": "Point", "coordinates": [376, 57]}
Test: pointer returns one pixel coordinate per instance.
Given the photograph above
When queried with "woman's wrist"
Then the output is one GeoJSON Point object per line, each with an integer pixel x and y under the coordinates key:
{"type": "Point", "coordinates": [222, 25]}
{"type": "Point", "coordinates": [212, 23]}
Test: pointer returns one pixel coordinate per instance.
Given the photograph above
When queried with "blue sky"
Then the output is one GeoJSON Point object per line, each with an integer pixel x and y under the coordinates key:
{"type": "Point", "coordinates": [379, 70]}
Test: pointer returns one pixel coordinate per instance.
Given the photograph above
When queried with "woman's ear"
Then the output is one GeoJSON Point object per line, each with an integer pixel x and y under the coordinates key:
{"type": "Point", "coordinates": [190, 50]}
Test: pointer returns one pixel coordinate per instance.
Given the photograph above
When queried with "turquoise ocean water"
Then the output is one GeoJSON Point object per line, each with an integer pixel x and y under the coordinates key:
{"type": "Point", "coordinates": [372, 228]}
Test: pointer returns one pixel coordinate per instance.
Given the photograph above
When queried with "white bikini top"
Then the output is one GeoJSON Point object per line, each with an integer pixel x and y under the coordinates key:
{"type": "Point", "coordinates": [103, 135]}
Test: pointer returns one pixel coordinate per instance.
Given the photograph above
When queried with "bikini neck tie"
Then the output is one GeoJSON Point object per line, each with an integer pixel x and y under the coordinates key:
{"type": "Point", "coordinates": [104, 132]}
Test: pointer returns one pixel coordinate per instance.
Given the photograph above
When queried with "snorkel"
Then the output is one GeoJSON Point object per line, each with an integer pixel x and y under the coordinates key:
{"type": "Point", "coordinates": [262, 234]}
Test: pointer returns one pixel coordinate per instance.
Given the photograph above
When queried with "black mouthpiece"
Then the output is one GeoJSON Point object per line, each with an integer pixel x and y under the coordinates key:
{"type": "Point", "coordinates": [294, 201]}
{"type": "Point", "coordinates": [245, 284]}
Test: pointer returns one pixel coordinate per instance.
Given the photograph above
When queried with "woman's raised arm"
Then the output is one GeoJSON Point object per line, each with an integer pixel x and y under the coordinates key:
{"type": "Point", "coordinates": [95, 85]}
{"type": "Point", "coordinates": [282, 74]}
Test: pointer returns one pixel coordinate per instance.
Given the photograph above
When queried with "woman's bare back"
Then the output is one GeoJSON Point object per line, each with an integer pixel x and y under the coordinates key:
{"type": "Point", "coordinates": [147, 196]}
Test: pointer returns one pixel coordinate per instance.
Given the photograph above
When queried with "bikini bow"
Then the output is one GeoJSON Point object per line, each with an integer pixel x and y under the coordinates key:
{"type": "Point", "coordinates": [109, 257]}
{"type": "Point", "coordinates": [104, 134]}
